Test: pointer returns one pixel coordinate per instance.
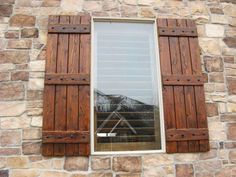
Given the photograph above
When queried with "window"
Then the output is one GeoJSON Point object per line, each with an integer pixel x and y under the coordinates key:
{"type": "Point", "coordinates": [127, 113]}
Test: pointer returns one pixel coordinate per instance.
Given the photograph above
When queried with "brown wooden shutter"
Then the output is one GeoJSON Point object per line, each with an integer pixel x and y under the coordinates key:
{"type": "Point", "coordinates": [183, 92]}
{"type": "Point", "coordinates": [67, 87]}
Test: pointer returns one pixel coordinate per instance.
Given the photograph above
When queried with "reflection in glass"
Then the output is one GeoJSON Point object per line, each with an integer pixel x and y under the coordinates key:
{"type": "Point", "coordinates": [126, 107]}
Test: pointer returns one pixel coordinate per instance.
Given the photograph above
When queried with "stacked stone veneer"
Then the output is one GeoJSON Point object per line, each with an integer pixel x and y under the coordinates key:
{"type": "Point", "coordinates": [23, 33]}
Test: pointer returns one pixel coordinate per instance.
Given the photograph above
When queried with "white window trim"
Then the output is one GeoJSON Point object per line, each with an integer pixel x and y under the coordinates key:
{"type": "Point", "coordinates": [162, 123]}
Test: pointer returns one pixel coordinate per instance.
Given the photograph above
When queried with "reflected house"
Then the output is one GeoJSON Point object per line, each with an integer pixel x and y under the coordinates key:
{"type": "Point", "coordinates": [123, 119]}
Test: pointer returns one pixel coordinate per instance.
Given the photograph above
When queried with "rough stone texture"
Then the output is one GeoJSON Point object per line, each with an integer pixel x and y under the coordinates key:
{"type": "Point", "coordinates": [127, 164]}
{"type": "Point", "coordinates": [23, 36]}
{"type": "Point", "coordinates": [76, 163]}
{"type": "Point", "coordinates": [4, 173]}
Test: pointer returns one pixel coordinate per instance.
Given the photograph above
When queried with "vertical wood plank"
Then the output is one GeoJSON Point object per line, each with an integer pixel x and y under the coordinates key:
{"type": "Point", "coordinates": [167, 90]}
{"type": "Point", "coordinates": [199, 90]}
{"type": "Point", "coordinates": [84, 91]}
{"type": "Point", "coordinates": [61, 90]}
{"type": "Point", "coordinates": [190, 107]}
{"type": "Point", "coordinates": [49, 91]}
{"type": "Point", "coordinates": [178, 90]}
{"type": "Point", "coordinates": [72, 90]}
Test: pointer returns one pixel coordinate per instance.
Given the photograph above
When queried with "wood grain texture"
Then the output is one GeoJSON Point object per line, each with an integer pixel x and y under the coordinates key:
{"type": "Point", "coordinates": [67, 104]}
{"type": "Point", "coordinates": [186, 79]}
{"type": "Point", "coordinates": [74, 28]}
{"type": "Point", "coordinates": [177, 31]}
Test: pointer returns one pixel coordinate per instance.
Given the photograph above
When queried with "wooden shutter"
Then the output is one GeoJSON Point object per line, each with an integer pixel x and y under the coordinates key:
{"type": "Point", "coordinates": [183, 92]}
{"type": "Point", "coordinates": [67, 87]}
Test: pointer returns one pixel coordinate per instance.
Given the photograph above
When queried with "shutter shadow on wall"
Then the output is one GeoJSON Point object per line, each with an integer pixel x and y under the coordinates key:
{"type": "Point", "coordinates": [183, 91]}
{"type": "Point", "coordinates": [67, 87]}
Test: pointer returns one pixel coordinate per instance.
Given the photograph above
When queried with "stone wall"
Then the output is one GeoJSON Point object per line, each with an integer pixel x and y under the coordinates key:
{"type": "Point", "coordinates": [23, 28]}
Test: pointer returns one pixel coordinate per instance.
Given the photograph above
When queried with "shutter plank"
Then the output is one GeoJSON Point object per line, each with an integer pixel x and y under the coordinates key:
{"type": "Point", "coordinates": [73, 91]}
{"type": "Point", "coordinates": [178, 90]}
{"type": "Point", "coordinates": [61, 91]}
{"type": "Point", "coordinates": [190, 106]}
{"type": "Point", "coordinates": [199, 91]}
{"type": "Point", "coordinates": [167, 90]}
{"type": "Point", "coordinates": [49, 90]}
{"type": "Point", "coordinates": [84, 91]}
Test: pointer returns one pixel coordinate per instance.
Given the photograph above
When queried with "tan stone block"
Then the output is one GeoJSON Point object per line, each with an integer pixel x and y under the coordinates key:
{"type": "Point", "coordinates": [215, 10]}
{"type": "Point", "coordinates": [15, 123]}
{"type": "Point", "coordinates": [31, 148]}
{"type": "Point", "coordinates": [22, 66]}
{"type": "Point", "coordinates": [35, 112]}
{"type": "Point", "coordinates": [213, 30]}
{"type": "Point", "coordinates": [20, 75]}
{"type": "Point", "coordinates": [100, 163]}
{"type": "Point", "coordinates": [34, 95]}
{"type": "Point", "coordinates": [231, 107]}
{"type": "Point", "coordinates": [154, 172]}
{"type": "Point", "coordinates": [110, 5]}
{"type": "Point", "coordinates": [19, 44]}
{"type": "Point", "coordinates": [128, 175]}
{"type": "Point", "coordinates": [36, 84]}
{"type": "Point", "coordinates": [146, 2]}
{"type": "Point", "coordinates": [228, 118]}
{"type": "Point", "coordinates": [23, 3]}
{"type": "Point", "coordinates": [232, 156]}
{"type": "Point", "coordinates": [29, 33]}
{"type": "Point", "coordinates": [7, 107]}
{"type": "Point", "coordinates": [213, 64]}
{"type": "Point", "coordinates": [4, 76]}
{"type": "Point", "coordinates": [21, 20]}
{"type": "Point", "coordinates": [74, 5]}
{"type": "Point", "coordinates": [17, 162]}
{"type": "Point", "coordinates": [35, 104]}
{"type": "Point", "coordinates": [16, 57]}
{"type": "Point", "coordinates": [229, 9]}
{"type": "Point", "coordinates": [129, 2]}
{"type": "Point", "coordinates": [103, 174]}
{"type": "Point", "coordinates": [223, 153]}
{"type": "Point", "coordinates": [230, 31]}
{"type": "Point", "coordinates": [230, 145]}
{"type": "Point", "coordinates": [230, 72]}
{"type": "Point", "coordinates": [12, 34]}
{"type": "Point", "coordinates": [220, 19]}
{"type": "Point", "coordinates": [32, 134]}
{"type": "Point", "coordinates": [79, 175]}
{"type": "Point", "coordinates": [216, 77]}
{"type": "Point", "coordinates": [58, 164]}
{"type": "Point", "coordinates": [230, 42]}
{"type": "Point", "coordinates": [220, 87]}
{"type": "Point", "coordinates": [9, 151]}
{"type": "Point", "coordinates": [208, 166]}
{"type": "Point", "coordinates": [204, 174]}
{"type": "Point", "coordinates": [184, 170]}
{"type": "Point", "coordinates": [231, 131]}
{"type": "Point", "coordinates": [54, 174]}
{"type": "Point", "coordinates": [197, 8]}
{"type": "Point", "coordinates": [185, 157]}
{"type": "Point", "coordinates": [217, 135]}
{"type": "Point", "coordinates": [152, 161]}
{"type": "Point", "coordinates": [208, 155]}
{"type": "Point", "coordinates": [37, 121]}
{"type": "Point", "coordinates": [127, 164]}
{"type": "Point", "coordinates": [92, 6]}
{"type": "Point", "coordinates": [44, 164]}
{"type": "Point", "coordinates": [51, 3]}
{"type": "Point", "coordinates": [210, 46]}
{"type": "Point", "coordinates": [24, 173]}
{"type": "Point", "coordinates": [11, 91]}
{"type": "Point", "coordinates": [3, 162]}
{"type": "Point", "coordinates": [232, 21]}
{"type": "Point", "coordinates": [219, 98]}
{"type": "Point", "coordinates": [129, 11]}
{"type": "Point", "coordinates": [147, 13]}
{"type": "Point", "coordinates": [212, 109]}
{"type": "Point", "coordinates": [7, 67]}
{"type": "Point", "coordinates": [38, 65]}
{"type": "Point", "coordinates": [76, 164]}
{"type": "Point", "coordinates": [10, 138]}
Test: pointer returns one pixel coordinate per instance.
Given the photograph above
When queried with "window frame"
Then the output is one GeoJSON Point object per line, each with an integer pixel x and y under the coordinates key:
{"type": "Point", "coordinates": [159, 82]}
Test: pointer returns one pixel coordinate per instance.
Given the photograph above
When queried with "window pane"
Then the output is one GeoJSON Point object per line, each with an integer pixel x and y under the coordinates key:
{"type": "Point", "coordinates": [126, 109]}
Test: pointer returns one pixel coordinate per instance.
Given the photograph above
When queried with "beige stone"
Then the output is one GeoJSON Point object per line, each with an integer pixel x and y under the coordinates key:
{"type": "Point", "coordinates": [214, 30]}
{"type": "Point", "coordinates": [7, 67]}
{"type": "Point", "coordinates": [6, 10]}
{"type": "Point", "coordinates": [71, 5]}
{"type": "Point", "coordinates": [185, 157]}
{"type": "Point", "coordinates": [197, 8]}
{"type": "Point", "coordinates": [58, 164]}
{"type": "Point", "coordinates": [32, 134]}
{"type": "Point", "coordinates": [76, 164]}
{"type": "Point", "coordinates": [128, 175]}
{"type": "Point", "coordinates": [31, 148]}
{"type": "Point", "coordinates": [19, 44]}
{"type": "Point", "coordinates": [17, 162]}
{"type": "Point", "coordinates": [232, 156]}
{"type": "Point", "coordinates": [7, 107]}
{"type": "Point", "coordinates": [220, 19]}
{"type": "Point", "coordinates": [51, 3]}
{"type": "Point", "coordinates": [228, 118]}
{"type": "Point", "coordinates": [24, 3]}
{"type": "Point", "coordinates": [15, 122]}
{"type": "Point", "coordinates": [38, 65]}
{"type": "Point", "coordinates": [37, 121]}
{"type": "Point", "coordinates": [35, 84]}
{"type": "Point", "coordinates": [3, 162]}
{"type": "Point", "coordinates": [29, 33]}
{"type": "Point", "coordinates": [16, 57]}
{"type": "Point", "coordinates": [216, 77]}
{"type": "Point", "coordinates": [12, 34]}
{"type": "Point", "coordinates": [10, 138]}
{"type": "Point", "coordinates": [102, 174]}
{"type": "Point", "coordinates": [129, 11]}
{"type": "Point", "coordinates": [127, 164]}
{"type": "Point", "coordinates": [231, 131]}
{"type": "Point", "coordinates": [208, 166]}
{"type": "Point", "coordinates": [35, 112]}
{"type": "Point", "coordinates": [232, 21]}
{"type": "Point", "coordinates": [11, 91]}
{"type": "Point", "coordinates": [230, 72]}
{"type": "Point", "coordinates": [100, 163]}
{"type": "Point", "coordinates": [147, 13]}
{"type": "Point", "coordinates": [92, 6]}
{"type": "Point", "coordinates": [10, 151]}
{"type": "Point", "coordinates": [154, 172]}
{"type": "Point", "coordinates": [210, 46]}
{"type": "Point", "coordinates": [184, 170]}
{"type": "Point", "coordinates": [21, 20]}
{"type": "Point", "coordinates": [20, 75]}
{"type": "Point", "coordinates": [229, 10]}
{"type": "Point", "coordinates": [4, 76]}
{"type": "Point", "coordinates": [208, 155]}
{"type": "Point", "coordinates": [231, 107]}
{"type": "Point", "coordinates": [34, 95]}
{"type": "Point", "coordinates": [24, 173]}
{"type": "Point", "coordinates": [44, 164]}
{"type": "Point", "coordinates": [212, 109]}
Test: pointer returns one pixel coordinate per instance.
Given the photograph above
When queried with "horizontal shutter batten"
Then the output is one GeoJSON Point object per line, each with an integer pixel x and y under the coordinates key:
{"type": "Point", "coordinates": [177, 31]}
{"type": "Point", "coordinates": [184, 79]}
{"type": "Point", "coordinates": [69, 28]}
{"type": "Point", "coordinates": [65, 136]}
{"type": "Point", "coordinates": [63, 79]}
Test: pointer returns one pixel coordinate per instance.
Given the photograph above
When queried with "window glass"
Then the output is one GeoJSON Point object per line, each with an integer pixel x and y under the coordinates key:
{"type": "Point", "coordinates": [126, 108]}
